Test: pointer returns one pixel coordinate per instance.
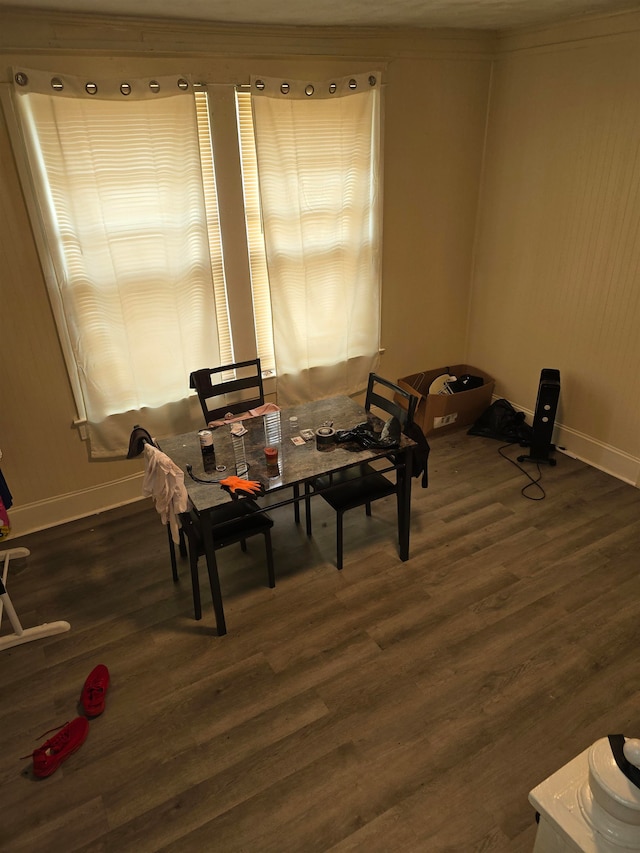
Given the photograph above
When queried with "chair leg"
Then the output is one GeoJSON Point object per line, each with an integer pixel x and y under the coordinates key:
{"type": "Point", "coordinates": [339, 539]}
{"type": "Point", "coordinates": [368, 508]}
{"type": "Point", "coordinates": [195, 583]}
{"type": "Point", "coordinates": [172, 555]}
{"type": "Point", "coordinates": [182, 547]}
{"type": "Point", "coordinates": [270, 568]}
{"type": "Point", "coordinates": [243, 545]}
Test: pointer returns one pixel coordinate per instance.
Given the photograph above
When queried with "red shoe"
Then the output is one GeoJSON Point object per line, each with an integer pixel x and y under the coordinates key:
{"type": "Point", "coordinates": [95, 690]}
{"type": "Point", "coordinates": [48, 757]}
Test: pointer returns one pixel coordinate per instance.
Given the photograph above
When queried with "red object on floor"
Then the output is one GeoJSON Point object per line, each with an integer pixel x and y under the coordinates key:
{"type": "Point", "coordinates": [48, 757]}
{"type": "Point", "coordinates": [94, 691]}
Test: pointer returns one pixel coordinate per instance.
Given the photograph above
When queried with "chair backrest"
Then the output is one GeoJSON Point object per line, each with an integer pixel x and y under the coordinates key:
{"type": "Point", "coordinates": [395, 401]}
{"type": "Point", "coordinates": [229, 389]}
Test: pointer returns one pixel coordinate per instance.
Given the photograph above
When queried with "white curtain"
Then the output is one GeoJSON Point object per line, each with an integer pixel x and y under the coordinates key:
{"type": "Point", "coordinates": [318, 162]}
{"type": "Point", "coordinates": [117, 175]}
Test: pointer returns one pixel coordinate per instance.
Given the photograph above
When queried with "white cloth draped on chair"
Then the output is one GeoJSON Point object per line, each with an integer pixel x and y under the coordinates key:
{"type": "Point", "coordinates": [164, 483]}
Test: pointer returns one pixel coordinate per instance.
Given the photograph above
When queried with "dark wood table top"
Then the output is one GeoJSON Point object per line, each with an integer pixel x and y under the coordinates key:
{"type": "Point", "coordinates": [296, 463]}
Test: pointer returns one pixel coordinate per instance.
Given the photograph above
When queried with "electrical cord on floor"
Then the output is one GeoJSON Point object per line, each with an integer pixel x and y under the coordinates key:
{"type": "Point", "coordinates": [533, 483]}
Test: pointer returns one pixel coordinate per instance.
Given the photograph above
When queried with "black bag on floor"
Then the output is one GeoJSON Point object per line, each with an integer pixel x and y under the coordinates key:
{"type": "Point", "coordinates": [502, 422]}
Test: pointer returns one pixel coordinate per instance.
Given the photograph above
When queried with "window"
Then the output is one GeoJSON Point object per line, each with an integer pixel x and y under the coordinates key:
{"type": "Point", "coordinates": [213, 227]}
{"type": "Point", "coordinates": [141, 259]}
{"type": "Point", "coordinates": [255, 234]}
{"type": "Point", "coordinates": [318, 165]}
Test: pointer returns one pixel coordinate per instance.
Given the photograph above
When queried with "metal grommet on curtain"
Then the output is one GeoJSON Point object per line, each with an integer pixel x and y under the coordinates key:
{"type": "Point", "coordinates": [97, 87]}
{"type": "Point", "coordinates": [316, 89]}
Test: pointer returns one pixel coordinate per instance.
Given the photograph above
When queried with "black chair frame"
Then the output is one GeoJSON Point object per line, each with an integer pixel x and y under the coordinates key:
{"type": "Point", "coordinates": [235, 522]}
{"type": "Point", "coordinates": [210, 383]}
{"type": "Point", "coordinates": [231, 523]}
{"type": "Point", "coordinates": [362, 484]}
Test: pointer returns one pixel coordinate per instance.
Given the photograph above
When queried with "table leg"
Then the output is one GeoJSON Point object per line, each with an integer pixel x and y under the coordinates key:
{"type": "Point", "coordinates": [296, 505]}
{"type": "Point", "coordinates": [404, 501]}
{"type": "Point", "coordinates": [212, 570]}
{"type": "Point", "coordinates": [307, 506]}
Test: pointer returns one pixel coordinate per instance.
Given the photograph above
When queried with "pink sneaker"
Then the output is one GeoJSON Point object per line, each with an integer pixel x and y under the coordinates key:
{"type": "Point", "coordinates": [48, 757]}
{"type": "Point", "coordinates": [94, 691]}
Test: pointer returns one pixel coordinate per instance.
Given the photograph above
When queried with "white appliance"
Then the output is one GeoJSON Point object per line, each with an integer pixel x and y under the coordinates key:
{"type": "Point", "coordinates": [590, 805]}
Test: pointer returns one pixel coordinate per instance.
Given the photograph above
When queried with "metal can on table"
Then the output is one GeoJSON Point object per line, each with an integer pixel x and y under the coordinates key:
{"type": "Point", "coordinates": [207, 449]}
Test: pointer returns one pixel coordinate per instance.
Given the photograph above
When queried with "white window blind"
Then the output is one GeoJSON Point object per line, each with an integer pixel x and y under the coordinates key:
{"type": "Point", "coordinates": [119, 183]}
{"type": "Point", "coordinates": [255, 236]}
{"type": "Point", "coordinates": [318, 165]}
{"type": "Point", "coordinates": [124, 175]}
{"type": "Point", "coordinates": [213, 228]}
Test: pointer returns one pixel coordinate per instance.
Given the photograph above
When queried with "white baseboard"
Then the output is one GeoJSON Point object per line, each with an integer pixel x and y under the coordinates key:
{"type": "Point", "coordinates": [41, 515]}
{"type": "Point", "coordinates": [605, 458]}
{"type": "Point", "coordinates": [602, 456]}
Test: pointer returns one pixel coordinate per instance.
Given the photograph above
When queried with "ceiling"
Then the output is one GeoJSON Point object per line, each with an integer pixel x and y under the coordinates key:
{"type": "Point", "coordinates": [471, 14]}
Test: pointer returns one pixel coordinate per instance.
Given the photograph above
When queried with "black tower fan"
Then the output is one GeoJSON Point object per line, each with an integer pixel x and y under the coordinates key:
{"type": "Point", "coordinates": [544, 418]}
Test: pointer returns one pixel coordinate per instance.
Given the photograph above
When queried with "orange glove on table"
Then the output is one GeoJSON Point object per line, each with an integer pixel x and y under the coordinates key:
{"type": "Point", "coordinates": [237, 484]}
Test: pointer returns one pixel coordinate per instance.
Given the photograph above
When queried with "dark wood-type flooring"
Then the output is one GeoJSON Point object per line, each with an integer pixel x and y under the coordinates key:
{"type": "Point", "coordinates": [391, 707]}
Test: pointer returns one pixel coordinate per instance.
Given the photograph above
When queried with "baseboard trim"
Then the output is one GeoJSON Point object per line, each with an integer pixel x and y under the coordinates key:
{"type": "Point", "coordinates": [602, 456]}
{"type": "Point", "coordinates": [41, 515]}
{"type": "Point", "coordinates": [599, 455]}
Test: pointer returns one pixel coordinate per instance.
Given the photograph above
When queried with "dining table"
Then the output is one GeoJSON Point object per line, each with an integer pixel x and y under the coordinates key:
{"type": "Point", "coordinates": [300, 461]}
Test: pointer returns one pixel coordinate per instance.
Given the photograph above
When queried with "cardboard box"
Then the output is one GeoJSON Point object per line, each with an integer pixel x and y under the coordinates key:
{"type": "Point", "coordinates": [442, 413]}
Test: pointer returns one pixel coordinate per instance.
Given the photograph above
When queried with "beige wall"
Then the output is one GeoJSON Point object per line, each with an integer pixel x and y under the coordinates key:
{"type": "Point", "coordinates": [435, 120]}
{"type": "Point", "coordinates": [435, 101]}
{"type": "Point", "coordinates": [516, 257]}
{"type": "Point", "coordinates": [558, 243]}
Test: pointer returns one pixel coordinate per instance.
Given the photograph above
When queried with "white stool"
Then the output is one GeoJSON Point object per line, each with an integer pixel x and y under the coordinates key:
{"type": "Point", "coordinates": [21, 635]}
{"type": "Point", "coordinates": [589, 805]}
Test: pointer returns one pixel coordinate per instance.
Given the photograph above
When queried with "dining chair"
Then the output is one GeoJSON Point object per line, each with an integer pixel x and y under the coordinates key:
{"type": "Point", "coordinates": [362, 484]}
{"type": "Point", "coordinates": [231, 523]}
{"type": "Point", "coordinates": [231, 389]}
